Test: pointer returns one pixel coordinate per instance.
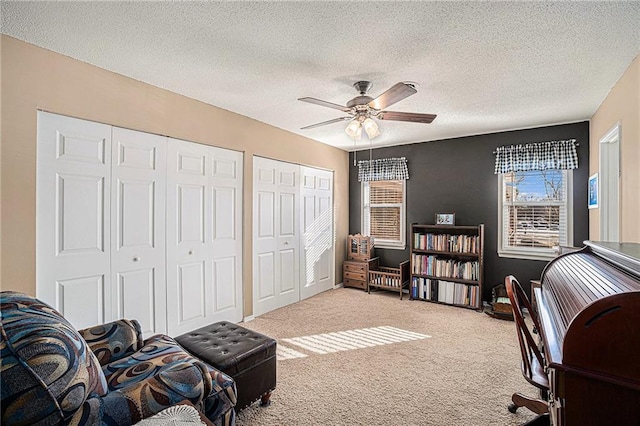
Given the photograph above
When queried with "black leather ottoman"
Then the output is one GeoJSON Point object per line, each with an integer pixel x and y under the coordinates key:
{"type": "Point", "coordinates": [247, 356]}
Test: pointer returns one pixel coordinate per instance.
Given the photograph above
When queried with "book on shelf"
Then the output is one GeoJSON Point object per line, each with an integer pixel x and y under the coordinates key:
{"type": "Point", "coordinates": [446, 268]}
{"type": "Point", "coordinates": [444, 242]}
{"type": "Point", "coordinates": [444, 291]}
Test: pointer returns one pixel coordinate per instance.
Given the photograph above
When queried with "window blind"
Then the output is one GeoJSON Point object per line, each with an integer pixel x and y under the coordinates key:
{"type": "Point", "coordinates": [535, 209]}
{"type": "Point", "coordinates": [384, 208]}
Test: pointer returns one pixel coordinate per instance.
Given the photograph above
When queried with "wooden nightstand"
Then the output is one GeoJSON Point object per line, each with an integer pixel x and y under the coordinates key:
{"type": "Point", "coordinates": [355, 273]}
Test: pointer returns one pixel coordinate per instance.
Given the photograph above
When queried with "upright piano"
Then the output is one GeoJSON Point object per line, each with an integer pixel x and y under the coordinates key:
{"type": "Point", "coordinates": [589, 310]}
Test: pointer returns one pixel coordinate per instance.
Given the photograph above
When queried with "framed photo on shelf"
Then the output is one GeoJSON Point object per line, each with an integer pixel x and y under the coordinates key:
{"type": "Point", "coordinates": [593, 191]}
{"type": "Point", "coordinates": [445, 218]}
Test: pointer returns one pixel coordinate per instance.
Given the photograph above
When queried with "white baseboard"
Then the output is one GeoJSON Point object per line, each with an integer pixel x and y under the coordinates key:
{"type": "Point", "coordinates": [339, 285]}
{"type": "Point", "coordinates": [249, 318]}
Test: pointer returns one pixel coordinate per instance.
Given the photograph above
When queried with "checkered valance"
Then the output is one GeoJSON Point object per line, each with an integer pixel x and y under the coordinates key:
{"type": "Point", "coordinates": [383, 169]}
{"type": "Point", "coordinates": [560, 155]}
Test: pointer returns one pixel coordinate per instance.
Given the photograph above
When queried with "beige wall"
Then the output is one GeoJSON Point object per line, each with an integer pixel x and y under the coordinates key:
{"type": "Point", "coordinates": [35, 78]}
{"type": "Point", "coordinates": [622, 105]}
{"type": "Point", "coordinates": [0, 162]}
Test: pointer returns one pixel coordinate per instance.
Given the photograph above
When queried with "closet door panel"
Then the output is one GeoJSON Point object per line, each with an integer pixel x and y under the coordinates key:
{"type": "Point", "coordinates": [317, 231]}
{"type": "Point", "coordinates": [288, 281]}
{"type": "Point", "coordinates": [136, 213]}
{"type": "Point", "coordinates": [276, 234]}
{"type": "Point", "coordinates": [225, 183]}
{"type": "Point", "coordinates": [191, 209]}
{"type": "Point", "coordinates": [324, 269]}
{"type": "Point", "coordinates": [224, 275]}
{"type": "Point", "coordinates": [188, 207]}
{"type": "Point", "coordinates": [265, 277]}
{"type": "Point", "coordinates": [138, 228]}
{"type": "Point", "coordinates": [204, 236]}
{"type": "Point", "coordinates": [287, 215]}
{"type": "Point", "coordinates": [192, 291]}
{"type": "Point", "coordinates": [82, 300]}
{"type": "Point", "coordinates": [266, 212]}
{"type": "Point", "coordinates": [80, 211]}
{"type": "Point", "coordinates": [224, 214]}
{"type": "Point", "coordinates": [136, 298]}
{"type": "Point", "coordinates": [73, 218]}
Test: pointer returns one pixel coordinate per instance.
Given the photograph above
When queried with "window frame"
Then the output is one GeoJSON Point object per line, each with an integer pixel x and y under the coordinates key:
{"type": "Point", "coordinates": [365, 217]}
{"type": "Point", "coordinates": [534, 253]}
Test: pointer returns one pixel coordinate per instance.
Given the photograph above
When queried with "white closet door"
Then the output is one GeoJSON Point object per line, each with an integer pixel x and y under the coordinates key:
{"type": "Point", "coordinates": [204, 249]}
{"type": "Point", "coordinates": [188, 280]}
{"type": "Point", "coordinates": [73, 218]}
{"type": "Point", "coordinates": [317, 231]}
{"type": "Point", "coordinates": [225, 188]}
{"type": "Point", "coordinates": [276, 253]}
{"type": "Point", "coordinates": [138, 181]}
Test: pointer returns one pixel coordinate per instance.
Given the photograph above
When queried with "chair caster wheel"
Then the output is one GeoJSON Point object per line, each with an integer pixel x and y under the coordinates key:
{"type": "Point", "coordinates": [512, 408]}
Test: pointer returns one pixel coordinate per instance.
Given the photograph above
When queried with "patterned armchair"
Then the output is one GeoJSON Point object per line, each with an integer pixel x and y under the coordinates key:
{"type": "Point", "coordinates": [52, 374]}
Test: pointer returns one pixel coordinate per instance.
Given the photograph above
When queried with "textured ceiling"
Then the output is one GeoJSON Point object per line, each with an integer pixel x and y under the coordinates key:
{"type": "Point", "coordinates": [481, 66]}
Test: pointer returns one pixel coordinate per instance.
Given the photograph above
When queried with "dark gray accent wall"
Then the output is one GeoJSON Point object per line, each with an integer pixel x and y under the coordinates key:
{"type": "Point", "coordinates": [456, 175]}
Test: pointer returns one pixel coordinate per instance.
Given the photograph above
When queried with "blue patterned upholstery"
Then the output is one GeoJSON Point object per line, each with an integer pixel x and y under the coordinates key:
{"type": "Point", "coordinates": [53, 374]}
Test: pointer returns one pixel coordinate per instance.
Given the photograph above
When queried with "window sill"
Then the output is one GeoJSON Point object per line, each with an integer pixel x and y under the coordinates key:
{"type": "Point", "coordinates": [527, 255]}
{"type": "Point", "coordinates": [389, 246]}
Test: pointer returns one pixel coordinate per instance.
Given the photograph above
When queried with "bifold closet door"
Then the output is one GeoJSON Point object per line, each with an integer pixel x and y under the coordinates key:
{"type": "Point", "coordinates": [204, 236]}
{"type": "Point", "coordinates": [101, 222]}
{"type": "Point", "coordinates": [135, 225]}
{"type": "Point", "coordinates": [138, 182]}
{"type": "Point", "coordinates": [317, 231]}
{"type": "Point", "coordinates": [276, 242]}
{"type": "Point", "coordinates": [73, 209]}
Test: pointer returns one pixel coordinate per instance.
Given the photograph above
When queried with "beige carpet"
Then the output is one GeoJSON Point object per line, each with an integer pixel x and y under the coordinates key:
{"type": "Point", "coordinates": [463, 374]}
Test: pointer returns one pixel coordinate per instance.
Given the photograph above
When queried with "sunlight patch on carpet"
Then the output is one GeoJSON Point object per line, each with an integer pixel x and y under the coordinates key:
{"type": "Point", "coordinates": [353, 339]}
{"type": "Point", "coordinates": [282, 352]}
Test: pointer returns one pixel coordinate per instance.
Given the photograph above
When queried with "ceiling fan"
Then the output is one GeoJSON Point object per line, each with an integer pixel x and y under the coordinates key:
{"type": "Point", "coordinates": [363, 108]}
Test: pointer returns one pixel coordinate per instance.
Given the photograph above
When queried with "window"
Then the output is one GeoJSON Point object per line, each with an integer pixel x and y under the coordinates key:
{"type": "Point", "coordinates": [535, 213]}
{"type": "Point", "coordinates": [383, 212]}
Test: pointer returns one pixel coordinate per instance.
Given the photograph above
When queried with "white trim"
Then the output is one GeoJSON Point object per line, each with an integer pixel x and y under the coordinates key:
{"type": "Point", "coordinates": [529, 255]}
{"type": "Point", "coordinates": [605, 196]}
{"type": "Point", "coordinates": [249, 318]}
{"type": "Point", "coordinates": [612, 135]}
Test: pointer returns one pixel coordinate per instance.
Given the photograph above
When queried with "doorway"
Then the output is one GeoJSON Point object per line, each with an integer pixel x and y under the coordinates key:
{"type": "Point", "coordinates": [610, 185]}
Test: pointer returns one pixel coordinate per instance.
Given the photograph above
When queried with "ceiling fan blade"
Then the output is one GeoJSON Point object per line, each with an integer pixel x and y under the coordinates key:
{"type": "Point", "coordinates": [335, 120]}
{"type": "Point", "coordinates": [406, 116]}
{"type": "Point", "coordinates": [324, 103]}
{"type": "Point", "coordinates": [396, 93]}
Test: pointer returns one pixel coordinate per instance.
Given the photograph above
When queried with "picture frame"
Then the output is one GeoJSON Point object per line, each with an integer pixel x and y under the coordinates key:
{"type": "Point", "coordinates": [593, 191]}
{"type": "Point", "coordinates": [445, 218]}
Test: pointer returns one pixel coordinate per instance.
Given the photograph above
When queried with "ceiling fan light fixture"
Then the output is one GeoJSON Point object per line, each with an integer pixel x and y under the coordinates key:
{"type": "Point", "coordinates": [362, 108]}
{"type": "Point", "coordinates": [371, 128]}
{"type": "Point", "coordinates": [354, 130]}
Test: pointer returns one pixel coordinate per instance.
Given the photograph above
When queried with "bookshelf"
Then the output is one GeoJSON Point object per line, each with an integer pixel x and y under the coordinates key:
{"type": "Point", "coordinates": [447, 264]}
